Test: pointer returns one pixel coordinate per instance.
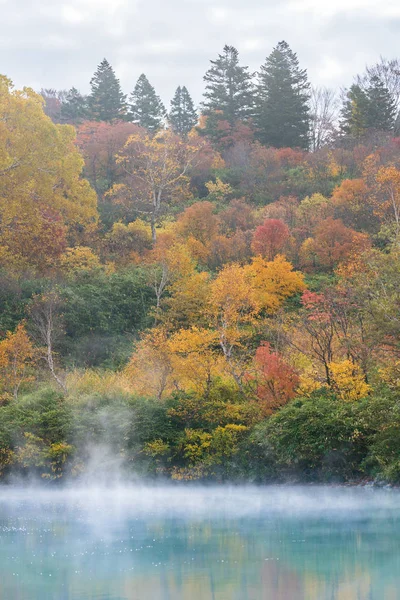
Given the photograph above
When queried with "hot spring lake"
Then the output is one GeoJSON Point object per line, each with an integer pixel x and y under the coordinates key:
{"type": "Point", "coordinates": [200, 543]}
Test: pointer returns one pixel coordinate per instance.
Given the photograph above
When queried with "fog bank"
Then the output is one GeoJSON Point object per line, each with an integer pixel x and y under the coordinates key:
{"type": "Point", "coordinates": [204, 501]}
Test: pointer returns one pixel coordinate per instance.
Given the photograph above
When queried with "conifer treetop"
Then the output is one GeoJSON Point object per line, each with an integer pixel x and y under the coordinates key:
{"type": "Point", "coordinates": [146, 108]}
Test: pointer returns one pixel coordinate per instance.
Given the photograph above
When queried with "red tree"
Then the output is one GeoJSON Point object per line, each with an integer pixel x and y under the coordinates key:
{"type": "Point", "coordinates": [99, 143]}
{"type": "Point", "coordinates": [270, 238]}
{"type": "Point", "coordinates": [276, 381]}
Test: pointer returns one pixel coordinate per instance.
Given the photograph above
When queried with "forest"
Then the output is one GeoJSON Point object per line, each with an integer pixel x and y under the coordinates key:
{"type": "Point", "coordinates": [206, 293]}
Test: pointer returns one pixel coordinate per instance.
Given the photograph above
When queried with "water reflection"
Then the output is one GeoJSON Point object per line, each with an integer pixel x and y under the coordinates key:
{"type": "Point", "coordinates": [65, 548]}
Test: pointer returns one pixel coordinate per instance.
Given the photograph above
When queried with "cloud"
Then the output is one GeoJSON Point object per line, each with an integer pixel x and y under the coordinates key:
{"type": "Point", "coordinates": [48, 43]}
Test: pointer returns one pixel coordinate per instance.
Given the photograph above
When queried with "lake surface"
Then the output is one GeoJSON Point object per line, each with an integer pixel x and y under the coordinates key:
{"type": "Point", "coordinates": [198, 543]}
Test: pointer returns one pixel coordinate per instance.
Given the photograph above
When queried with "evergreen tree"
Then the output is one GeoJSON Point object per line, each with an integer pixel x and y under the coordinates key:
{"type": "Point", "coordinates": [396, 125]}
{"type": "Point", "coordinates": [146, 108]}
{"type": "Point", "coordinates": [381, 106]}
{"type": "Point", "coordinates": [282, 115]}
{"type": "Point", "coordinates": [354, 112]}
{"type": "Point", "coordinates": [229, 88]}
{"type": "Point", "coordinates": [74, 107]}
{"type": "Point", "coordinates": [183, 116]}
{"type": "Point", "coordinates": [370, 108]}
{"type": "Point", "coordinates": [106, 101]}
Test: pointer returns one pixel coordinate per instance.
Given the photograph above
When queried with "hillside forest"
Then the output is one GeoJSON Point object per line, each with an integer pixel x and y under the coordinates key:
{"type": "Point", "coordinates": [206, 293]}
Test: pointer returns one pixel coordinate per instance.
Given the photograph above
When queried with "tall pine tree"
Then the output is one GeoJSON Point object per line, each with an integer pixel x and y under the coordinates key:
{"type": "Point", "coordinates": [146, 108]}
{"type": "Point", "coordinates": [106, 101]}
{"type": "Point", "coordinates": [369, 108]}
{"type": "Point", "coordinates": [229, 88]}
{"type": "Point", "coordinates": [282, 115]}
{"type": "Point", "coordinates": [354, 112]}
{"type": "Point", "coordinates": [74, 108]}
{"type": "Point", "coordinates": [183, 116]}
{"type": "Point", "coordinates": [381, 106]}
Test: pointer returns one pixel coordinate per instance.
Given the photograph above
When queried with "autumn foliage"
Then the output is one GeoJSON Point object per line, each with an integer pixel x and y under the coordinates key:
{"type": "Point", "coordinates": [196, 295]}
{"type": "Point", "coordinates": [269, 238]}
{"type": "Point", "coordinates": [44, 200]}
{"type": "Point", "coordinates": [275, 380]}
{"type": "Point", "coordinates": [18, 357]}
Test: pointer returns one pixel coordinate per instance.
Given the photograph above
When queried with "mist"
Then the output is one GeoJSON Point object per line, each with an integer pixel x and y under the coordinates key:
{"type": "Point", "coordinates": [200, 501]}
{"type": "Point", "coordinates": [173, 542]}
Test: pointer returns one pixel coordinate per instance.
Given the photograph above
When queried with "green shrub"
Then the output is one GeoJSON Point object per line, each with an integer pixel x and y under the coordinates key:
{"type": "Point", "coordinates": [319, 438]}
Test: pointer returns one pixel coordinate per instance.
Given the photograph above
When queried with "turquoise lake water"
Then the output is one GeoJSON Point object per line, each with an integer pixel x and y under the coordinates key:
{"type": "Point", "coordinates": [197, 543]}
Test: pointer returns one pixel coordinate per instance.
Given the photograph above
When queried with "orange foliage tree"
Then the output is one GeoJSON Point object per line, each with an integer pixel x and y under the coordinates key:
{"type": "Point", "coordinates": [333, 243]}
{"type": "Point", "coordinates": [18, 356]}
{"type": "Point", "coordinates": [199, 222]}
{"type": "Point", "coordinates": [198, 225]}
{"type": "Point", "coordinates": [275, 380]}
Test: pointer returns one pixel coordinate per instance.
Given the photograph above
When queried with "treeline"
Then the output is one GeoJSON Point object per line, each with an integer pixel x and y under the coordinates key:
{"type": "Point", "coordinates": [277, 105]}
{"type": "Point", "coordinates": [205, 306]}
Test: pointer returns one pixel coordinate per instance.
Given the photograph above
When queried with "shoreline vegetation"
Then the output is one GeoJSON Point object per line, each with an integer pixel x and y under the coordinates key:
{"type": "Point", "coordinates": [207, 295]}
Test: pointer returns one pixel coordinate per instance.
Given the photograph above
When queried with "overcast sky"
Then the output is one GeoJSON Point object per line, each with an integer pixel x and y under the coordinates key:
{"type": "Point", "coordinates": [55, 43]}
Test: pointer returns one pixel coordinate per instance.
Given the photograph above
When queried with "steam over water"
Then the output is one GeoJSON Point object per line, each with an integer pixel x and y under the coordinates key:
{"type": "Point", "coordinates": [199, 543]}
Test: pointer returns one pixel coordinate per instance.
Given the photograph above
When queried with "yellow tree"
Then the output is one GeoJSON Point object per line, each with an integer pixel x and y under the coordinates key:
{"type": "Point", "coordinates": [156, 170]}
{"type": "Point", "coordinates": [79, 259]}
{"type": "Point", "coordinates": [126, 243]}
{"type": "Point", "coordinates": [187, 301]}
{"type": "Point", "coordinates": [150, 369]}
{"type": "Point", "coordinates": [218, 191]}
{"type": "Point", "coordinates": [238, 296]}
{"type": "Point", "coordinates": [273, 281]}
{"type": "Point", "coordinates": [233, 313]}
{"type": "Point", "coordinates": [348, 380]}
{"type": "Point", "coordinates": [311, 211]}
{"type": "Point", "coordinates": [174, 270]}
{"type": "Point", "coordinates": [187, 360]}
{"type": "Point", "coordinates": [44, 202]}
{"type": "Point", "coordinates": [196, 359]}
{"type": "Point", "coordinates": [17, 359]}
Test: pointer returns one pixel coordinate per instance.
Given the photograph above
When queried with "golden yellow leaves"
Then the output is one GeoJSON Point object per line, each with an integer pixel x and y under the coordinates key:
{"type": "Point", "coordinates": [233, 299]}
{"type": "Point", "coordinates": [273, 282]}
{"type": "Point", "coordinates": [187, 360]}
{"type": "Point", "coordinates": [78, 259]}
{"type": "Point", "coordinates": [195, 358]}
{"type": "Point", "coordinates": [388, 195]}
{"type": "Point", "coordinates": [204, 451]}
{"type": "Point", "coordinates": [218, 191]}
{"type": "Point", "coordinates": [206, 323]}
{"type": "Point", "coordinates": [18, 356]}
{"type": "Point", "coordinates": [150, 368]}
{"type": "Point", "coordinates": [43, 199]}
{"type": "Point", "coordinates": [348, 381]}
{"type": "Point", "coordinates": [49, 458]}
{"type": "Point", "coordinates": [126, 243]}
{"type": "Point", "coordinates": [239, 294]}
